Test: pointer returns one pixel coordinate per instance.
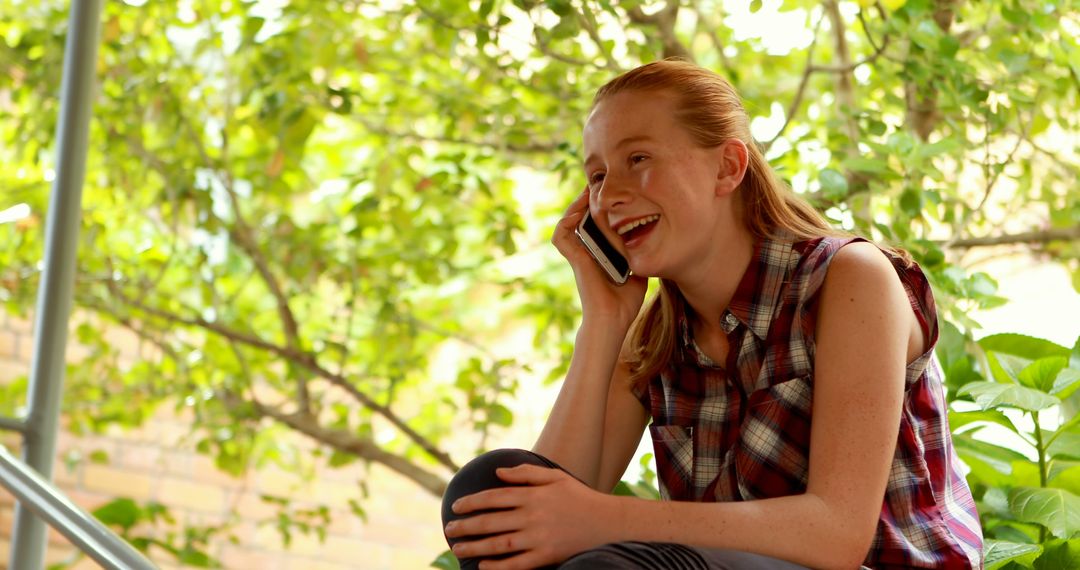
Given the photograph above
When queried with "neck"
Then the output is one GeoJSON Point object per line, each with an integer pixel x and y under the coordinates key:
{"type": "Point", "coordinates": [709, 286]}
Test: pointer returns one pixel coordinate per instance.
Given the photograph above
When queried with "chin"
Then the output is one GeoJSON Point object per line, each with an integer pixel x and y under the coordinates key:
{"type": "Point", "coordinates": [645, 269]}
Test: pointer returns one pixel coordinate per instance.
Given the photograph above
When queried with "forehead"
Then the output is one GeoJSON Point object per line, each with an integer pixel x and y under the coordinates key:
{"type": "Point", "coordinates": [629, 113]}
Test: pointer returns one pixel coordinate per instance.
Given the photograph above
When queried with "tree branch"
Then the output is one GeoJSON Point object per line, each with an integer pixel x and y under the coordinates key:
{"type": "Point", "coordinates": [302, 421]}
{"type": "Point", "coordinates": [531, 148]}
{"type": "Point", "coordinates": [365, 448]}
{"type": "Point", "coordinates": [878, 52]}
{"type": "Point", "coordinates": [305, 360]}
{"type": "Point", "coordinates": [242, 235]}
{"type": "Point", "coordinates": [664, 22]}
{"type": "Point", "coordinates": [796, 102]}
{"type": "Point", "coordinates": [588, 21]}
{"type": "Point", "coordinates": [922, 100]}
{"type": "Point", "coordinates": [845, 101]}
{"type": "Point", "coordinates": [705, 26]}
{"type": "Point", "coordinates": [1033, 237]}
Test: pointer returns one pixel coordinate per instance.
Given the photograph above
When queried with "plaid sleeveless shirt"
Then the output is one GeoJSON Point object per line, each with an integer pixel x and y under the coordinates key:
{"type": "Point", "coordinates": [741, 430]}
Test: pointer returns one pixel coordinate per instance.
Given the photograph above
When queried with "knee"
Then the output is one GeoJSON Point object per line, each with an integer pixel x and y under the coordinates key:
{"type": "Point", "coordinates": [479, 474]}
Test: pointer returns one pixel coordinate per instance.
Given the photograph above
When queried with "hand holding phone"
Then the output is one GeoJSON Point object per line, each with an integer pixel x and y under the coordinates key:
{"type": "Point", "coordinates": [607, 257]}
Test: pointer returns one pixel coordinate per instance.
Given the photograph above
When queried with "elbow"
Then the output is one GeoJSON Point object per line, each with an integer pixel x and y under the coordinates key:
{"type": "Point", "coordinates": [849, 536]}
{"type": "Point", "coordinates": [851, 550]}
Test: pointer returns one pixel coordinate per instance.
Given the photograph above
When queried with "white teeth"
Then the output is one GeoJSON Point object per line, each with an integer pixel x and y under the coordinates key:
{"type": "Point", "coordinates": [639, 222]}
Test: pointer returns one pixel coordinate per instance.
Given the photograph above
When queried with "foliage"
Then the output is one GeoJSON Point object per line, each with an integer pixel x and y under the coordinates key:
{"type": "Point", "coordinates": [320, 217]}
{"type": "Point", "coordinates": [188, 547]}
{"type": "Point", "coordinates": [1030, 511]}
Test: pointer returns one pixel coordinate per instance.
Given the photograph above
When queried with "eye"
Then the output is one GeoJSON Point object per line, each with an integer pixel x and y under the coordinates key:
{"type": "Point", "coordinates": [636, 158]}
{"type": "Point", "coordinates": [596, 178]}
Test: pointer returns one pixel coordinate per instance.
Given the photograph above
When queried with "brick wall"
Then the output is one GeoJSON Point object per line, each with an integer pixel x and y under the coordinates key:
{"type": "Point", "coordinates": [155, 462]}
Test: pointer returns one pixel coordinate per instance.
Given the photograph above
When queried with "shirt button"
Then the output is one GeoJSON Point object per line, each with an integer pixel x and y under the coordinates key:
{"type": "Point", "coordinates": [730, 322]}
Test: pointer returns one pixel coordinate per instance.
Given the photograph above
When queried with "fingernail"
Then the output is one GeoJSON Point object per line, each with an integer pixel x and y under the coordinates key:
{"type": "Point", "coordinates": [451, 526]}
{"type": "Point", "coordinates": [454, 507]}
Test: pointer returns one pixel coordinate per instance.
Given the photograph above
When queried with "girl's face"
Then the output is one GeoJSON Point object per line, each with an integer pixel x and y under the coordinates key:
{"type": "Point", "coordinates": [652, 189]}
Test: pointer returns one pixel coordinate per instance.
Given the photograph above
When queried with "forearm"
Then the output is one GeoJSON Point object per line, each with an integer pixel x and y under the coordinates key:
{"type": "Point", "coordinates": [803, 529]}
{"type": "Point", "coordinates": [573, 434]}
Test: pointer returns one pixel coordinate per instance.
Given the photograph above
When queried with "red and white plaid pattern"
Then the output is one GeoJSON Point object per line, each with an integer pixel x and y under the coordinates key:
{"type": "Point", "coordinates": [746, 435]}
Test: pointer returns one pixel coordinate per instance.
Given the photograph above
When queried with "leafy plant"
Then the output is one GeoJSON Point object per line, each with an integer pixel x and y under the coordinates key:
{"type": "Point", "coordinates": [1028, 488]}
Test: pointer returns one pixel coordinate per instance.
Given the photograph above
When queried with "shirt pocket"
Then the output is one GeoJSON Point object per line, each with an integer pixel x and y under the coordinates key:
{"type": "Point", "coordinates": [673, 447]}
{"type": "Point", "coordinates": [772, 455]}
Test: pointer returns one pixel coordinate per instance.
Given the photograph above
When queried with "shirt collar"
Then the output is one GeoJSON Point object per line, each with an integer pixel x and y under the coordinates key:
{"type": "Point", "coordinates": [758, 294]}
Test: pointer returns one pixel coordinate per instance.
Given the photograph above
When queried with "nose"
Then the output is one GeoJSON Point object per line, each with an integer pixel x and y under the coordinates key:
{"type": "Point", "coordinates": [613, 192]}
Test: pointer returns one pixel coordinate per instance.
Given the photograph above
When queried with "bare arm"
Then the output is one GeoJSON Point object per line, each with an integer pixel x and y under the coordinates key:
{"type": "Point", "coordinates": [594, 426]}
{"type": "Point", "coordinates": [863, 341]}
{"type": "Point", "coordinates": [595, 423]}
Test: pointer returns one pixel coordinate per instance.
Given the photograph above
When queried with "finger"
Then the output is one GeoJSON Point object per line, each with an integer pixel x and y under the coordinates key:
{"type": "Point", "coordinates": [498, 498]}
{"type": "Point", "coordinates": [529, 474]}
{"type": "Point", "coordinates": [580, 202]}
{"type": "Point", "coordinates": [488, 523]}
{"type": "Point", "coordinates": [568, 223]}
{"type": "Point", "coordinates": [492, 546]}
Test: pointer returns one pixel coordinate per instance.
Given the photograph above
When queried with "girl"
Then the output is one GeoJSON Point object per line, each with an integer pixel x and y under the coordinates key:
{"type": "Point", "coordinates": [798, 416]}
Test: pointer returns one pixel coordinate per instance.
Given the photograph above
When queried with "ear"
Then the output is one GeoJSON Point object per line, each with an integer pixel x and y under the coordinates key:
{"type": "Point", "coordinates": [732, 160]}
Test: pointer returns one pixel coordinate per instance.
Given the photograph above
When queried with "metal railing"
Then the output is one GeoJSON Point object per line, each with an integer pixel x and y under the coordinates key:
{"type": "Point", "coordinates": [39, 501]}
{"type": "Point", "coordinates": [83, 530]}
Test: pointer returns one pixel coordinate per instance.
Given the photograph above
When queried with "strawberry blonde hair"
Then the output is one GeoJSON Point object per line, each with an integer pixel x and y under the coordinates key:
{"type": "Point", "coordinates": [710, 109]}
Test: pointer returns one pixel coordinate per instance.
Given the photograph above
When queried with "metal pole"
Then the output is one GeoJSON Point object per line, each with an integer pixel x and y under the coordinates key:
{"type": "Point", "coordinates": [57, 281]}
{"type": "Point", "coordinates": [82, 529]}
{"type": "Point", "coordinates": [12, 424]}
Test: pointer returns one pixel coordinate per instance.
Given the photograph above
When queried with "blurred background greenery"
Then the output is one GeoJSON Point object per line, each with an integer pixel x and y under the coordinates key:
{"type": "Point", "coordinates": [324, 215]}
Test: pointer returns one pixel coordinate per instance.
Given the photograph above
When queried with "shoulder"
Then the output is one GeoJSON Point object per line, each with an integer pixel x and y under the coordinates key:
{"type": "Point", "coordinates": [861, 276]}
{"type": "Point", "coordinates": [851, 260]}
{"type": "Point", "coordinates": [861, 262]}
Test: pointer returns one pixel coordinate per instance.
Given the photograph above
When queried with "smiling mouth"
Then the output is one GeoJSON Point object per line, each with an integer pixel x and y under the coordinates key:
{"type": "Point", "coordinates": [632, 230]}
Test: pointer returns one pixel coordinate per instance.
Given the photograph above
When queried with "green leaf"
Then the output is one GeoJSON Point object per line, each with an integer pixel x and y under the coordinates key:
{"type": "Point", "coordinates": [1041, 373]}
{"type": "Point", "coordinates": [500, 415]}
{"type": "Point", "coordinates": [911, 202]}
{"type": "Point", "coordinates": [990, 463]}
{"type": "Point", "coordinates": [958, 420]}
{"type": "Point", "coordinates": [940, 147]}
{"type": "Point", "coordinates": [639, 490]}
{"type": "Point", "coordinates": [1056, 509]}
{"type": "Point", "coordinates": [1066, 444]}
{"type": "Point", "coordinates": [868, 165]}
{"type": "Point", "coordinates": [195, 558]}
{"type": "Point", "coordinates": [340, 459]}
{"type": "Point", "coordinates": [1006, 368]}
{"type": "Point", "coordinates": [1065, 475]}
{"type": "Point", "coordinates": [122, 512]}
{"type": "Point", "coordinates": [1067, 381]}
{"type": "Point", "coordinates": [1059, 555]}
{"type": "Point", "coordinates": [1028, 347]}
{"type": "Point", "coordinates": [991, 395]}
{"type": "Point", "coordinates": [446, 561]}
{"type": "Point", "coordinates": [833, 184]}
{"type": "Point", "coordinates": [996, 553]}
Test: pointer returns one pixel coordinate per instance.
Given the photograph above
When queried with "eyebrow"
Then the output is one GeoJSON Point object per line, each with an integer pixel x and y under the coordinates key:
{"type": "Point", "coordinates": [625, 141]}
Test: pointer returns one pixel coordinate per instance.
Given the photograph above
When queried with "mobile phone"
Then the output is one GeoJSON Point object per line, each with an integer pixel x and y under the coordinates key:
{"type": "Point", "coordinates": [610, 260]}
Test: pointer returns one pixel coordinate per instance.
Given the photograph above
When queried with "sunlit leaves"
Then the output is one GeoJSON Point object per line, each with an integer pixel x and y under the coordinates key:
{"type": "Point", "coordinates": [1057, 509]}
{"type": "Point", "coordinates": [349, 164]}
